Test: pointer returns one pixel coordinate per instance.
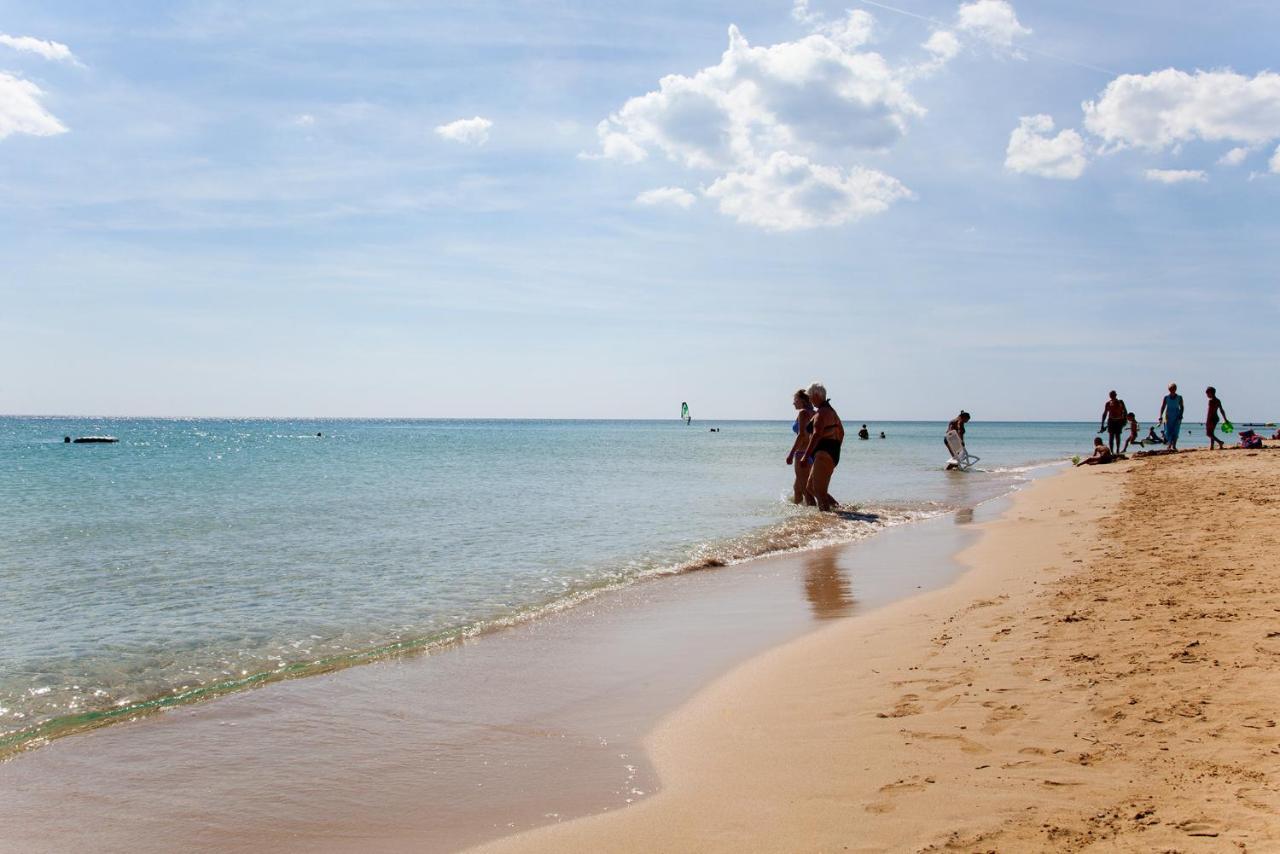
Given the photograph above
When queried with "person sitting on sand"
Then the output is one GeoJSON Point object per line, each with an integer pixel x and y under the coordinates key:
{"type": "Point", "coordinates": [1113, 420]}
{"type": "Point", "coordinates": [823, 452]}
{"type": "Point", "coordinates": [1211, 419]}
{"type": "Point", "coordinates": [1101, 455]}
{"type": "Point", "coordinates": [864, 433]}
{"type": "Point", "coordinates": [802, 427]}
{"type": "Point", "coordinates": [1171, 414]}
{"type": "Point", "coordinates": [1133, 432]}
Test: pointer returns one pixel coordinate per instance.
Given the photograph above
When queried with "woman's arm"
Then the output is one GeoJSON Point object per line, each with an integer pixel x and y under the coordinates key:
{"type": "Point", "coordinates": [803, 420]}
{"type": "Point", "coordinates": [1160, 417]}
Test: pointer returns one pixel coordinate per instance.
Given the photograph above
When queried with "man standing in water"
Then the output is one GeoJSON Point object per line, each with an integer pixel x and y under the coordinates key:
{"type": "Point", "coordinates": [1114, 417]}
{"type": "Point", "coordinates": [1211, 418]}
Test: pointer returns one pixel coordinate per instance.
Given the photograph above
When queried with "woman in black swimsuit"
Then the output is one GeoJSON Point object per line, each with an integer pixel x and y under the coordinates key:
{"type": "Point", "coordinates": [823, 452]}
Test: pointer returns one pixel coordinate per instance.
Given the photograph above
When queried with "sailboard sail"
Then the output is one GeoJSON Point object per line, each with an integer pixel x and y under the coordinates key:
{"type": "Point", "coordinates": [684, 413]}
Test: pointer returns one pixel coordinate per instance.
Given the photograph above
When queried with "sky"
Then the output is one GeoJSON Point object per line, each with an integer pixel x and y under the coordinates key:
{"type": "Point", "coordinates": [601, 209]}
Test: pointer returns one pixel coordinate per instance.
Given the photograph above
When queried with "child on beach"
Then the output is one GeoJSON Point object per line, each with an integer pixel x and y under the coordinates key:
{"type": "Point", "coordinates": [1133, 432]}
{"type": "Point", "coordinates": [1101, 455]}
{"type": "Point", "coordinates": [1211, 418]}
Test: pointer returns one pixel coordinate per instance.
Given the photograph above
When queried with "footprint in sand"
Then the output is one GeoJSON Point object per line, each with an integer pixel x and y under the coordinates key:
{"type": "Point", "coordinates": [965, 744]}
{"type": "Point", "coordinates": [908, 705]}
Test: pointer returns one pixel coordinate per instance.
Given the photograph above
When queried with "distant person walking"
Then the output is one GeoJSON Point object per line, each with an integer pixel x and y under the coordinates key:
{"type": "Point", "coordinates": [1211, 418]}
{"type": "Point", "coordinates": [1171, 410]}
{"type": "Point", "coordinates": [823, 451]}
{"type": "Point", "coordinates": [1114, 417]}
{"type": "Point", "coordinates": [796, 457]}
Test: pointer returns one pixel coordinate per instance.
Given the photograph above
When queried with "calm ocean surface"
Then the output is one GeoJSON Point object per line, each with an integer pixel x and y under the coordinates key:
{"type": "Point", "coordinates": [197, 557]}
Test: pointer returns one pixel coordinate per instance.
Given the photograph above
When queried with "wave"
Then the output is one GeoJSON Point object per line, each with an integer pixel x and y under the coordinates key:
{"type": "Point", "coordinates": [800, 530]}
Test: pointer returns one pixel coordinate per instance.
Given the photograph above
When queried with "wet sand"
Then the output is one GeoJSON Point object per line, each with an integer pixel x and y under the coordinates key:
{"type": "Point", "coordinates": [527, 726]}
{"type": "Point", "coordinates": [1106, 677]}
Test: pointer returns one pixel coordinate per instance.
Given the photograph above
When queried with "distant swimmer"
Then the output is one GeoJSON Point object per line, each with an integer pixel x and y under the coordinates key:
{"type": "Point", "coordinates": [823, 451]}
{"type": "Point", "coordinates": [863, 433]}
{"type": "Point", "coordinates": [882, 434]}
{"type": "Point", "coordinates": [318, 435]}
{"type": "Point", "coordinates": [796, 457]}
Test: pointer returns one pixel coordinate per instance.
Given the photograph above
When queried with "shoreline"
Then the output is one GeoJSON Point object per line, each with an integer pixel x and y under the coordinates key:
{"type": "Point", "coordinates": [1036, 702]}
{"type": "Point", "coordinates": [592, 681]}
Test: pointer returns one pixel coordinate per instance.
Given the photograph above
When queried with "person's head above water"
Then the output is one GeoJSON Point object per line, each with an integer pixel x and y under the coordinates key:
{"type": "Point", "coordinates": [817, 392]}
{"type": "Point", "coordinates": [801, 399]}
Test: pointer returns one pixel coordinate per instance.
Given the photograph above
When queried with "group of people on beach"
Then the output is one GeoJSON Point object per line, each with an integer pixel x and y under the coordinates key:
{"type": "Point", "coordinates": [1116, 417]}
{"type": "Point", "coordinates": [815, 453]}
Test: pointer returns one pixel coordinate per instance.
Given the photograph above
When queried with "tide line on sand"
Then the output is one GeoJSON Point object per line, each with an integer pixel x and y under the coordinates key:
{"type": "Point", "coordinates": [1105, 673]}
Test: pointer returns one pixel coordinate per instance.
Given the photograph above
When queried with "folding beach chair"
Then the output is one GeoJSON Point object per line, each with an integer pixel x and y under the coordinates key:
{"type": "Point", "coordinates": [960, 456]}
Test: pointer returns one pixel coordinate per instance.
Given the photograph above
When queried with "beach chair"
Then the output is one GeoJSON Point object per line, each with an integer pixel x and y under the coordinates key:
{"type": "Point", "coordinates": [960, 456]}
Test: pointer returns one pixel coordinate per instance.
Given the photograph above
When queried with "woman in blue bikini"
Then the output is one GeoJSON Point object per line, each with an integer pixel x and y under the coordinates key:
{"type": "Point", "coordinates": [802, 427]}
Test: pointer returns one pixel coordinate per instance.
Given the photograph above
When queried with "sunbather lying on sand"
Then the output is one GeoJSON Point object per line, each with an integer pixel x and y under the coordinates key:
{"type": "Point", "coordinates": [1101, 455]}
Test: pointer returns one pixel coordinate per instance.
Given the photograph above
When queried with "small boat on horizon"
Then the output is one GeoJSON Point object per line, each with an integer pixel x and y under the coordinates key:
{"type": "Point", "coordinates": [90, 440]}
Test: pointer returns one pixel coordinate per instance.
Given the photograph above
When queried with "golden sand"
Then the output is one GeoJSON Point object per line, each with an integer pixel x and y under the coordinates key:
{"type": "Point", "coordinates": [1107, 677]}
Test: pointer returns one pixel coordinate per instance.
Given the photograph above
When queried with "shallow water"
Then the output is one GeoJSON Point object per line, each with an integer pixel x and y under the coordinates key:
{"type": "Point", "coordinates": [196, 557]}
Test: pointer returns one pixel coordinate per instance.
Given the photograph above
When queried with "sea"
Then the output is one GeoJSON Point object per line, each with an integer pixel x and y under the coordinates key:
{"type": "Point", "coordinates": [198, 557]}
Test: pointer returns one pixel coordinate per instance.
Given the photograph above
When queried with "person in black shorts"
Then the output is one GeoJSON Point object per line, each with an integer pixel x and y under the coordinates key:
{"type": "Point", "coordinates": [823, 452]}
{"type": "Point", "coordinates": [1114, 418]}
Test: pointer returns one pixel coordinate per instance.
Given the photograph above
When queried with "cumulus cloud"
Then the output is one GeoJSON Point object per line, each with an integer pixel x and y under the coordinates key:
{"type": "Point", "coordinates": [21, 110]}
{"type": "Point", "coordinates": [677, 196]}
{"type": "Point", "coordinates": [1164, 108]}
{"type": "Point", "coordinates": [763, 116]}
{"type": "Point", "coordinates": [816, 93]}
{"type": "Point", "coordinates": [1175, 176]}
{"type": "Point", "coordinates": [993, 21]}
{"type": "Point", "coordinates": [788, 192]}
{"type": "Point", "coordinates": [1033, 151]}
{"type": "Point", "coordinates": [473, 131]}
{"type": "Point", "coordinates": [1234, 157]}
{"type": "Point", "coordinates": [1274, 163]}
{"type": "Point", "coordinates": [49, 50]}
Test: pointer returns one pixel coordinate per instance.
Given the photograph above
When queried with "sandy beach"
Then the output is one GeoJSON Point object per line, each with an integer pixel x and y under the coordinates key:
{"type": "Point", "coordinates": [1105, 677]}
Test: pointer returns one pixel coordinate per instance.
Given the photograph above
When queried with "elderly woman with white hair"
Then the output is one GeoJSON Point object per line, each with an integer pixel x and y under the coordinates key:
{"type": "Point", "coordinates": [823, 452]}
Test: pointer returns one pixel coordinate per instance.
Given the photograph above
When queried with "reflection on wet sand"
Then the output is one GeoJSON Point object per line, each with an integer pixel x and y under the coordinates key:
{"type": "Point", "coordinates": [964, 516]}
{"type": "Point", "coordinates": [826, 585]}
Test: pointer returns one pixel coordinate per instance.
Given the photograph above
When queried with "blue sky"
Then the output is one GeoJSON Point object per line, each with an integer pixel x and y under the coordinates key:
{"type": "Point", "coordinates": [269, 209]}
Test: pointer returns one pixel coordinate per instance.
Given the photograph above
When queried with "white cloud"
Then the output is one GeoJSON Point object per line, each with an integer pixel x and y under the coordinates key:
{"type": "Point", "coordinates": [993, 21]}
{"type": "Point", "coordinates": [1274, 163]}
{"type": "Point", "coordinates": [303, 120]}
{"type": "Point", "coordinates": [49, 50]}
{"type": "Point", "coordinates": [1234, 157]}
{"type": "Point", "coordinates": [1032, 151]}
{"type": "Point", "coordinates": [1162, 109]}
{"type": "Point", "coordinates": [1175, 176]}
{"type": "Point", "coordinates": [788, 192]}
{"type": "Point", "coordinates": [943, 45]}
{"type": "Point", "coordinates": [677, 196]}
{"type": "Point", "coordinates": [814, 94]}
{"type": "Point", "coordinates": [474, 131]}
{"type": "Point", "coordinates": [21, 110]}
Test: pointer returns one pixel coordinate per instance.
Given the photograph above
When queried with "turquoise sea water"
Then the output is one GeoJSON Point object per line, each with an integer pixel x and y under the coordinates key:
{"type": "Point", "coordinates": [196, 557]}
